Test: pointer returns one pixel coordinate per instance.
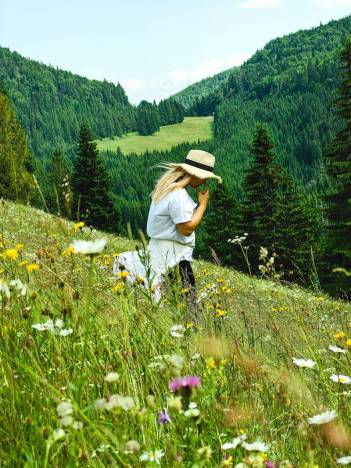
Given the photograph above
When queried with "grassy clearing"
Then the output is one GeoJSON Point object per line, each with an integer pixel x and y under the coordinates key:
{"type": "Point", "coordinates": [63, 405]}
{"type": "Point", "coordinates": [191, 129]}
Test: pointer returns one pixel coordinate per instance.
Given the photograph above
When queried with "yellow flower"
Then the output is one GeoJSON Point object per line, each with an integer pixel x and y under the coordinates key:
{"type": "Point", "coordinates": [339, 335]}
{"type": "Point", "coordinates": [228, 461]}
{"type": "Point", "coordinates": [220, 280]}
{"type": "Point", "coordinates": [123, 274]}
{"type": "Point", "coordinates": [117, 288]}
{"type": "Point", "coordinates": [220, 313]}
{"type": "Point", "coordinates": [11, 253]}
{"type": "Point", "coordinates": [32, 267]}
{"type": "Point", "coordinates": [241, 431]}
{"type": "Point", "coordinates": [70, 250]}
{"type": "Point", "coordinates": [223, 362]}
{"type": "Point", "coordinates": [140, 279]}
{"type": "Point", "coordinates": [210, 363]}
{"type": "Point", "coordinates": [79, 225]}
{"type": "Point", "coordinates": [190, 325]}
{"type": "Point", "coordinates": [348, 343]}
{"type": "Point", "coordinates": [19, 246]}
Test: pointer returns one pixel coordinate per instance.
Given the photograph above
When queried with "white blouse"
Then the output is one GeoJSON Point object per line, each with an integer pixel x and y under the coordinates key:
{"type": "Point", "coordinates": [167, 247]}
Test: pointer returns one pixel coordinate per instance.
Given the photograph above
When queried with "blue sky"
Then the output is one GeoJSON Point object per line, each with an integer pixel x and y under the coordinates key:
{"type": "Point", "coordinates": [154, 47]}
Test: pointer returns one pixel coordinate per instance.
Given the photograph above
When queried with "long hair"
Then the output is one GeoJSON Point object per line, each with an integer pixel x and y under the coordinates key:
{"type": "Point", "coordinates": [175, 177]}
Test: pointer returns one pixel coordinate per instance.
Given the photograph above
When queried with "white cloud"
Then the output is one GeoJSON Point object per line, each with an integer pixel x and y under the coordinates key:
{"type": "Point", "coordinates": [332, 3]}
{"type": "Point", "coordinates": [178, 78]}
{"type": "Point", "coordinates": [259, 4]}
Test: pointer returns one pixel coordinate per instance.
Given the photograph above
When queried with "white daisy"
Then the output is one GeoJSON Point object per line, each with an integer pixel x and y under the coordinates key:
{"type": "Point", "coordinates": [257, 446]}
{"type": "Point", "coordinates": [322, 418]}
{"type": "Point", "coordinates": [304, 363]}
{"type": "Point", "coordinates": [336, 349]}
{"type": "Point", "coordinates": [88, 247]}
{"type": "Point", "coordinates": [344, 460]}
{"type": "Point", "coordinates": [177, 331]}
{"type": "Point", "coordinates": [152, 456]}
{"type": "Point", "coordinates": [234, 443]}
{"type": "Point", "coordinates": [339, 378]}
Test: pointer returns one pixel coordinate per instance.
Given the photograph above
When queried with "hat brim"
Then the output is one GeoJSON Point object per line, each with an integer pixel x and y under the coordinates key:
{"type": "Point", "coordinates": [200, 173]}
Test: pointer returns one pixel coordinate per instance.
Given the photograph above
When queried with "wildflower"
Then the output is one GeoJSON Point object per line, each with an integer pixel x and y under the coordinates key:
{"type": "Point", "coordinates": [193, 411]}
{"type": "Point", "coordinates": [177, 331]}
{"type": "Point", "coordinates": [220, 313]}
{"type": "Point", "coordinates": [204, 452]}
{"type": "Point", "coordinates": [190, 381]}
{"type": "Point", "coordinates": [132, 446]}
{"type": "Point", "coordinates": [140, 279]}
{"type": "Point", "coordinates": [163, 417]}
{"type": "Point", "coordinates": [176, 361]}
{"type": "Point", "coordinates": [174, 403]}
{"type": "Point", "coordinates": [58, 323]}
{"type": "Point", "coordinates": [344, 379]}
{"type": "Point", "coordinates": [79, 225]}
{"type": "Point", "coordinates": [234, 443]}
{"type": "Point", "coordinates": [64, 408]}
{"type": "Point", "coordinates": [77, 425]}
{"type": "Point", "coordinates": [88, 247]}
{"type": "Point", "coordinates": [228, 461]}
{"type": "Point", "coordinates": [69, 251]}
{"type": "Point", "coordinates": [123, 274]}
{"type": "Point", "coordinates": [111, 377]}
{"type": "Point", "coordinates": [48, 325]}
{"type": "Point", "coordinates": [117, 288]}
{"type": "Point", "coordinates": [304, 363]}
{"type": "Point", "coordinates": [322, 418]}
{"type": "Point", "coordinates": [152, 456]}
{"type": "Point", "coordinates": [256, 446]}
{"type": "Point", "coordinates": [66, 332]}
{"type": "Point", "coordinates": [57, 434]}
{"type": "Point", "coordinates": [32, 267]}
{"type": "Point", "coordinates": [210, 363]}
{"type": "Point", "coordinates": [19, 246]}
{"type": "Point", "coordinates": [339, 335]}
{"type": "Point", "coordinates": [21, 288]}
{"type": "Point", "coordinates": [66, 421]}
{"type": "Point", "coordinates": [348, 343]}
{"type": "Point", "coordinates": [344, 460]}
{"type": "Point", "coordinates": [115, 401]}
{"type": "Point", "coordinates": [11, 253]}
{"type": "Point", "coordinates": [4, 289]}
{"type": "Point", "coordinates": [336, 349]}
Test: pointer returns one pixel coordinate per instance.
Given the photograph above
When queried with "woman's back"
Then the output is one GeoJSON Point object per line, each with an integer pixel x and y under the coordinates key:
{"type": "Point", "coordinates": [175, 207]}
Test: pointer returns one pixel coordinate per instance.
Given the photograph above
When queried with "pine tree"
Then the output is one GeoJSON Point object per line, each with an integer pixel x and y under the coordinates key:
{"type": "Point", "coordinates": [93, 202]}
{"type": "Point", "coordinates": [338, 210]}
{"type": "Point", "coordinates": [220, 224]}
{"type": "Point", "coordinates": [274, 214]}
{"type": "Point", "coordinates": [16, 182]}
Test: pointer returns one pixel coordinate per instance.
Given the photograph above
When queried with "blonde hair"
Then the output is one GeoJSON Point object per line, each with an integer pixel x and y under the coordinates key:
{"type": "Point", "coordinates": [175, 177]}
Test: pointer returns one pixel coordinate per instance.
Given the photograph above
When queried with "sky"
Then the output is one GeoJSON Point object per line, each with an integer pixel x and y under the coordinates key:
{"type": "Point", "coordinates": [154, 48]}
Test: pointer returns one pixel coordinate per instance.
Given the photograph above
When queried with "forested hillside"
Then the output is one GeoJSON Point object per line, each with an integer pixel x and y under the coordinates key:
{"type": "Point", "coordinates": [52, 103]}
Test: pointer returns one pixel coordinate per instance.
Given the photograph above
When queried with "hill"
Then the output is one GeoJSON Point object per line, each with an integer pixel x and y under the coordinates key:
{"type": "Point", "coordinates": [51, 103]}
{"type": "Point", "coordinates": [87, 361]}
{"type": "Point", "coordinates": [190, 130]}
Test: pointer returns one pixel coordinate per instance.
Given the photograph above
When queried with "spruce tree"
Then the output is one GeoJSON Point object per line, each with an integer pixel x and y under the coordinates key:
{"type": "Point", "coordinates": [16, 182]}
{"type": "Point", "coordinates": [93, 202]}
{"type": "Point", "coordinates": [338, 209]}
{"type": "Point", "coordinates": [275, 215]}
{"type": "Point", "coordinates": [220, 224]}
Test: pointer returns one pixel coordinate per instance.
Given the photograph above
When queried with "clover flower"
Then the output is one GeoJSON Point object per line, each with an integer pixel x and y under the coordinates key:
{"type": "Point", "coordinates": [177, 331]}
{"type": "Point", "coordinates": [343, 460]}
{"type": "Point", "coordinates": [115, 401]}
{"type": "Point", "coordinates": [189, 381]}
{"type": "Point", "coordinates": [322, 418]}
{"type": "Point", "coordinates": [234, 443]}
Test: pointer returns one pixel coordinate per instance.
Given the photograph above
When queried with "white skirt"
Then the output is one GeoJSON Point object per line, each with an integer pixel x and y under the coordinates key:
{"type": "Point", "coordinates": [151, 263]}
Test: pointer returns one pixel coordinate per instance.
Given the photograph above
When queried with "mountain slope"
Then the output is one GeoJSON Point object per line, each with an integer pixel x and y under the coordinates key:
{"type": "Point", "coordinates": [88, 361]}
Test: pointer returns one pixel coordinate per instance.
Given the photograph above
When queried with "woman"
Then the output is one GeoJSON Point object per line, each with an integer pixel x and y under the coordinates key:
{"type": "Point", "coordinates": [171, 223]}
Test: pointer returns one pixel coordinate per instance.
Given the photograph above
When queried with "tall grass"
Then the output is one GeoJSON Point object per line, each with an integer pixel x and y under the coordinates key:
{"type": "Point", "coordinates": [242, 347]}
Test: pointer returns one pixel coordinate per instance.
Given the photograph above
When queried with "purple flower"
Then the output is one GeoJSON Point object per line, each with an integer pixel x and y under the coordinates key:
{"type": "Point", "coordinates": [163, 417]}
{"type": "Point", "coordinates": [269, 464]}
{"type": "Point", "coordinates": [187, 382]}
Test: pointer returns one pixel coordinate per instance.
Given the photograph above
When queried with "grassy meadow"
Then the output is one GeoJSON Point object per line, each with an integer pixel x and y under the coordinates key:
{"type": "Point", "coordinates": [90, 364]}
{"type": "Point", "coordinates": [191, 129]}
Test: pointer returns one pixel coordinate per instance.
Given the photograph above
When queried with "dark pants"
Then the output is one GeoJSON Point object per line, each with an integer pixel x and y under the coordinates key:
{"type": "Point", "coordinates": [187, 278]}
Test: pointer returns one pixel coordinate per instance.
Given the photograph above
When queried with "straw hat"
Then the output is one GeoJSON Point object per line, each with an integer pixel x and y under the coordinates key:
{"type": "Point", "coordinates": [200, 164]}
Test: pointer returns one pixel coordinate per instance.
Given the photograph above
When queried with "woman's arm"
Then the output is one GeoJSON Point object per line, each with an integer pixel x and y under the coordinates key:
{"type": "Point", "coordinates": [187, 228]}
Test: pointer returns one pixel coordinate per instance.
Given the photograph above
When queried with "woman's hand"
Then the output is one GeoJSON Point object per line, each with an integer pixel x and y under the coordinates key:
{"type": "Point", "coordinates": [203, 196]}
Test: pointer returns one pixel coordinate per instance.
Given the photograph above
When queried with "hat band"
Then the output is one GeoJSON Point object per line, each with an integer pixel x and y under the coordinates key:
{"type": "Point", "coordinates": [199, 165]}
